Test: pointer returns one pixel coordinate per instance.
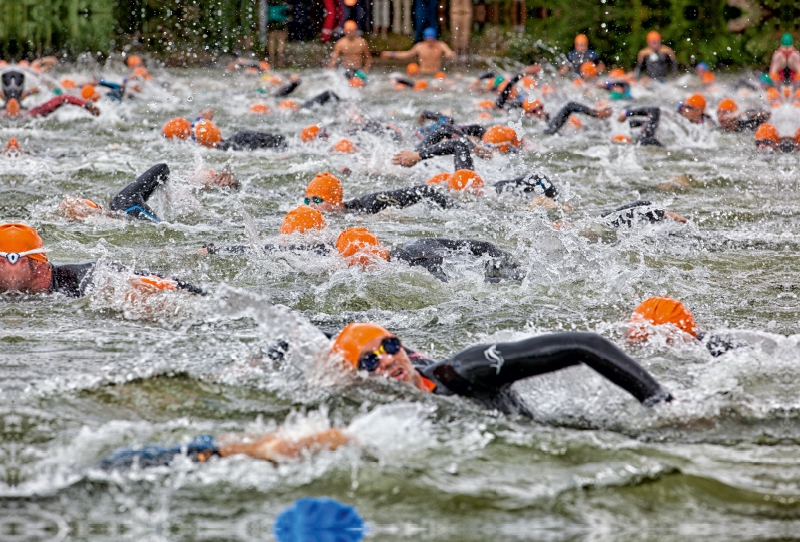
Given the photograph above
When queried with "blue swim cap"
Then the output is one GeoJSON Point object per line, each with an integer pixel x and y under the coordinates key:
{"type": "Point", "coordinates": [319, 520]}
{"type": "Point", "coordinates": [429, 33]}
{"type": "Point", "coordinates": [702, 65]}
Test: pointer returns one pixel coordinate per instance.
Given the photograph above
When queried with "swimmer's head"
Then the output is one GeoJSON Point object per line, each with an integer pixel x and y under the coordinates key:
{"type": "Point", "coordinates": [88, 92]}
{"type": "Point", "coordinates": [345, 146]}
{"type": "Point", "coordinates": [767, 136]}
{"type": "Point", "coordinates": [134, 61]}
{"type": "Point", "coordinates": [693, 107]}
{"type": "Point", "coordinates": [142, 73]}
{"type": "Point", "coordinates": [23, 263]}
{"type": "Point", "coordinates": [207, 133]}
{"type": "Point", "coordinates": [617, 73]}
{"type": "Point", "coordinates": [13, 148]}
{"type": "Point", "coordinates": [701, 68]}
{"type": "Point", "coordinates": [581, 43]}
{"type": "Point", "coordinates": [466, 180]}
{"type": "Point", "coordinates": [654, 39]}
{"type": "Point", "coordinates": [360, 247]}
{"type": "Point", "coordinates": [727, 106]}
{"type": "Point", "coordinates": [324, 192]}
{"type": "Point", "coordinates": [259, 108]}
{"type": "Point", "coordinates": [302, 219]}
{"type": "Point", "coordinates": [372, 348]}
{"type": "Point", "coordinates": [707, 78]}
{"type": "Point", "coordinates": [310, 133]}
{"type": "Point", "coordinates": [621, 139]}
{"type": "Point", "coordinates": [177, 128]}
{"type": "Point", "coordinates": [527, 82]}
{"type": "Point", "coordinates": [412, 68]}
{"type": "Point", "coordinates": [12, 107]}
{"type": "Point", "coordinates": [68, 83]}
{"type": "Point", "coordinates": [501, 138]}
{"type": "Point", "coordinates": [430, 33]}
{"type": "Point", "coordinates": [486, 104]}
{"type": "Point", "coordinates": [350, 28]}
{"type": "Point", "coordinates": [660, 311]}
{"type": "Point", "coordinates": [774, 96]}
{"type": "Point", "coordinates": [440, 76]}
{"type": "Point", "coordinates": [787, 40]}
{"type": "Point", "coordinates": [439, 178]}
{"type": "Point", "coordinates": [289, 105]}
{"type": "Point", "coordinates": [420, 85]}
{"type": "Point", "coordinates": [74, 208]}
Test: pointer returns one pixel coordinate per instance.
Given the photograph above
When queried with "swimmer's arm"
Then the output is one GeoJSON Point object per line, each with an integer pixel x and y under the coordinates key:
{"type": "Point", "coordinates": [405, 55]}
{"type": "Point", "coordinates": [447, 51]}
{"type": "Point", "coordinates": [367, 56]}
{"type": "Point", "coordinates": [277, 449]}
{"type": "Point", "coordinates": [639, 61]}
{"type": "Point", "coordinates": [337, 52]}
{"type": "Point", "coordinates": [676, 217]}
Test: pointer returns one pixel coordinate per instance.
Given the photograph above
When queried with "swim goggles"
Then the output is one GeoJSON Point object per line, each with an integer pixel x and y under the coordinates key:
{"type": "Point", "coordinates": [13, 257]}
{"type": "Point", "coordinates": [316, 200]}
{"type": "Point", "coordinates": [371, 360]}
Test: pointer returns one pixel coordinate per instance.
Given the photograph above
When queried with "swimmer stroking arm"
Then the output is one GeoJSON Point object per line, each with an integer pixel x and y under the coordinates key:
{"type": "Point", "coordinates": [526, 184]}
{"type": "Point", "coordinates": [653, 115]}
{"type": "Point", "coordinates": [132, 199]}
{"type": "Point", "coordinates": [502, 98]}
{"type": "Point", "coordinates": [54, 103]}
{"type": "Point", "coordinates": [561, 117]}
{"type": "Point", "coordinates": [402, 197]}
{"type": "Point", "coordinates": [249, 140]}
{"type": "Point", "coordinates": [430, 253]}
{"type": "Point", "coordinates": [484, 371]}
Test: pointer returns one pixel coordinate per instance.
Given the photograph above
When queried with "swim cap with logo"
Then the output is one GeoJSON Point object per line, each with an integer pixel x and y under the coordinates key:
{"type": "Point", "coordinates": [326, 186]}
{"type": "Point", "coordinates": [359, 246]}
{"type": "Point", "coordinates": [177, 128]}
{"type": "Point", "coordinates": [302, 219]}
{"type": "Point", "coordinates": [354, 337]}
{"type": "Point", "coordinates": [22, 240]}
{"type": "Point", "coordinates": [207, 134]}
{"type": "Point", "coordinates": [659, 311]}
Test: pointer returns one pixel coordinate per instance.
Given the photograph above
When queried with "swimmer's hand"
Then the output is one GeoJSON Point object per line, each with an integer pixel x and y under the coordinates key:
{"type": "Point", "coordinates": [676, 217]}
{"type": "Point", "coordinates": [482, 152]}
{"type": "Point", "coordinates": [278, 449]}
{"type": "Point", "coordinates": [604, 112]}
{"type": "Point", "coordinates": [225, 178]}
{"type": "Point", "coordinates": [406, 158]}
{"type": "Point", "coordinates": [93, 109]}
{"type": "Point", "coordinates": [622, 117]}
{"type": "Point", "coordinates": [207, 114]}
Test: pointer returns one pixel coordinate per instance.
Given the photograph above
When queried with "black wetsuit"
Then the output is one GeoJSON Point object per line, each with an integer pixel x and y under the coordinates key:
{"type": "Point", "coordinates": [576, 59]}
{"type": "Point", "coordinates": [377, 128]}
{"type": "Point", "coordinates": [431, 252]}
{"type": "Point", "coordinates": [502, 99]}
{"type": "Point", "coordinates": [648, 134]}
{"type": "Point", "coordinates": [74, 280]}
{"type": "Point", "coordinates": [486, 372]}
{"type": "Point", "coordinates": [555, 123]}
{"type": "Point", "coordinates": [249, 140]}
{"type": "Point", "coordinates": [634, 213]}
{"type": "Point", "coordinates": [751, 120]}
{"type": "Point", "coordinates": [657, 65]}
{"type": "Point", "coordinates": [132, 199]}
{"type": "Point", "coordinates": [287, 89]}
{"type": "Point", "coordinates": [321, 99]}
{"type": "Point", "coordinates": [401, 198]}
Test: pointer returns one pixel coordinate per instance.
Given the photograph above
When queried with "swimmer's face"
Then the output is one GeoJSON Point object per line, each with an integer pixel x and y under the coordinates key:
{"type": "Point", "coordinates": [396, 366]}
{"type": "Point", "coordinates": [581, 46]}
{"type": "Point", "coordinates": [27, 275]}
{"type": "Point", "coordinates": [654, 44]}
{"type": "Point", "coordinates": [350, 32]}
{"type": "Point", "coordinates": [693, 114]}
{"type": "Point", "coordinates": [537, 112]}
{"type": "Point", "coordinates": [320, 204]}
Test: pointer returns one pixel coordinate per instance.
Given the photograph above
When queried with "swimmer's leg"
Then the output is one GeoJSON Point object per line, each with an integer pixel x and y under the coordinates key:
{"type": "Point", "coordinates": [561, 117]}
{"type": "Point", "coordinates": [321, 99]}
{"type": "Point", "coordinates": [132, 198]}
{"type": "Point", "coordinates": [494, 367]}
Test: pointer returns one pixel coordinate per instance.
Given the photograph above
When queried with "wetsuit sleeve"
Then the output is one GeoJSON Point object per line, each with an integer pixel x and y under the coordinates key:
{"type": "Point", "coordinates": [132, 198]}
{"type": "Point", "coordinates": [71, 280]}
{"type": "Point", "coordinates": [561, 117]}
{"type": "Point", "coordinates": [285, 90]}
{"type": "Point", "coordinates": [117, 91]}
{"type": "Point", "coordinates": [653, 114]}
{"type": "Point", "coordinates": [440, 133]}
{"type": "Point", "coordinates": [461, 151]}
{"type": "Point", "coordinates": [752, 119]}
{"type": "Point", "coordinates": [321, 99]}
{"type": "Point", "coordinates": [248, 140]}
{"type": "Point", "coordinates": [487, 369]}
{"type": "Point", "coordinates": [401, 198]}
{"type": "Point", "coordinates": [502, 98]}
{"type": "Point", "coordinates": [486, 75]}
{"type": "Point", "coordinates": [630, 213]}
{"type": "Point", "coordinates": [472, 130]}
{"type": "Point", "coordinates": [52, 104]}
{"type": "Point", "coordinates": [526, 184]}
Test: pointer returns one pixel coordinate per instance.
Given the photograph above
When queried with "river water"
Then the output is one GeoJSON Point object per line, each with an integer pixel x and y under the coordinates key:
{"type": "Point", "coordinates": [84, 377]}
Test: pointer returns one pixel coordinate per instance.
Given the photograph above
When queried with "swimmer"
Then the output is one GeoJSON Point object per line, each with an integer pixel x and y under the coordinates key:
{"type": "Point", "coordinates": [580, 55]}
{"type": "Point", "coordinates": [617, 85]}
{"type": "Point", "coordinates": [649, 126]}
{"type": "Point", "coordinates": [667, 312]}
{"type": "Point", "coordinates": [602, 111]}
{"type": "Point", "coordinates": [785, 63]}
{"type": "Point", "coordinates": [639, 212]}
{"type": "Point", "coordinates": [14, 92]}
{"type": "Point", "coordinates": [655, 59]}
{"type": "Point", "coordinates": [732, 120]}
{"type": "Point", "coordinates": [693, 109]}
{"type": "Point", "coordinates": [288, 88]}
{"type": "Point", "coordinates": [207, 133]}
{"type": "Point", "coordinates": [430, 53]}
{"type": "Point", "coordinates": [352, 50]}
{"type": "Point", "coordinates": [250, 65]}
{"type": "Point", "coordinates": [768, 139]}
{"type": "Point", "coordinates": [24, 268]}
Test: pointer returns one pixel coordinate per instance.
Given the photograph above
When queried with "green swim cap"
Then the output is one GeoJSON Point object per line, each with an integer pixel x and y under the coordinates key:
{"type": "Point", "coordinates": [786, 40]}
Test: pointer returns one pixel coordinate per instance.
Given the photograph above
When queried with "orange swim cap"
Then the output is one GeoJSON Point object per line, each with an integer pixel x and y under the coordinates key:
{"type": "Point", "coordinates": [12, 147]}
{"type": "Point", "coordinates": [302, 219]}
{"type": "Point", "coordinates": [581, 39]}
{"type": "Point", "coordinates": [350, 25]}
{"type": "Point", "coordinates": [486, 104]}
{"type": "Point", "coordinates": [356, 82]}
{"type": "Point", "coordinates": [619, 138]}
{"type": "Point", "coordinates": [440, 75]}
{"type": "Point", "coordinates": [259, 108]}
{"type": "Point", "coordinates": [151, 284]}
{"type": "Point", "coordinates": [588, 69]}
{"type": "Point", "coordinates": [134, 61]}
{"type": "Point", "coordinates": [88, 92]}
{"type": "Point", "coordinates": [617, 73]}
{"type": "Point", "coordinates": [177, 128]}
{"type": "Point", "coordinates": [727, 105]}
{"type": "Point", "coordinates": [773, 95]}
{"type": "Point", "coordinates": [360, 247]}
{"type": "Point", "coordinates": [485, 116]}
{"type": "Point", "coordinates": [420, 85]}
{"type": "Point", "coordinates": [264, 65]}
{"type": "Point", "coordinates": [653, 36]}
{"type": "Point", "coordinates": [412, 68]}
{"type": "Point", "coordinates": [575, 122]}
{"type": "Point", "coordinates": [326, 186]}
{"type": "Point", "coordinates": [696, 100]}
{"type": "Point", "coordinates": [659, 311]}
{"type": "Point", "coordinates": [547, 90]}
{"type": "Point", "coordinates": [787, 92]}
{"type": "Point", "coordinates": [530, 106]}
{"type": "Point", "coordinates": [346, 146]}
{"type": "Point", "coordinates": [12, 107]}
{"type": "Point", "coordinates": [707, 78]}
{"type": "Point", "coordinates": [400, 86]}
{"type": "Point", "coordinates": [206, 133]}
{"type": "Point", "coordinates": [289, 104]}
{"type": "Point", "coordinates": [466, 180]}
{"type": "Point", "coordinates": [527, 82]}
{"type": "Point", "coordinates": [310, 133]}
{"type": "Point", "coordinates": [19, 238]}
{"type": "Point", "coordinates": [439, 178]}
{"type": "Point", "coordinates": [68, 83]}
{"type": "Point", "coordinates": [352, 339]}
{"type": "Point", "coordinates": [797, 137]}
{"type": "Point", "coordinates": [767, 133]}
{"type": "Point", "coordinates": [501, 137]}
{"type": "Point", "coordinates": [142, 72]}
